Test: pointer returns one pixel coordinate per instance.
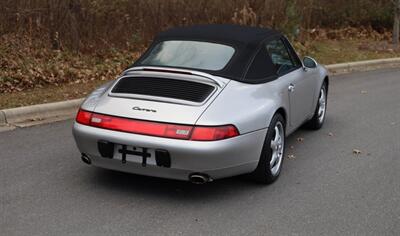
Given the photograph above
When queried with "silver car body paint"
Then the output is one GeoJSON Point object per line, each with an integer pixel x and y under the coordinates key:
{"type": "Point", "coordinates": [250, 107]}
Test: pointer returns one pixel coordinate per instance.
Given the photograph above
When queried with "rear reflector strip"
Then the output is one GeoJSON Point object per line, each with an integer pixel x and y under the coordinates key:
{"type": "Point", "coordinates": [140, 127]}
{"type": "Point", "coordinates": [196, 133]}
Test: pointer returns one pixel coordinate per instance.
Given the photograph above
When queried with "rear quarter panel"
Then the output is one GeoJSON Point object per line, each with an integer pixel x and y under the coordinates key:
{"type": "Point", "coordinates": [249, 107]}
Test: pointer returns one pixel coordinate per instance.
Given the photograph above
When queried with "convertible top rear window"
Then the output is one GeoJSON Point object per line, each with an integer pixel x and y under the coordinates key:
{"type": "Point", "coordinates": [189, 54]}
{"type": "Point", "coordinates": [229, 51]}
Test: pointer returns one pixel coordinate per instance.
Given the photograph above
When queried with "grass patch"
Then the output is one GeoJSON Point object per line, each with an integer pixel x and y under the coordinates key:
{"type": "Point", "coordinates": [333, 51]}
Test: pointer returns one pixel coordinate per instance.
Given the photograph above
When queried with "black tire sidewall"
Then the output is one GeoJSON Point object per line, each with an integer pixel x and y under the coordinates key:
{"type": "Point", "coordinates": [263, 171]}
{"type": "Point", "coordinates": [320, 123]}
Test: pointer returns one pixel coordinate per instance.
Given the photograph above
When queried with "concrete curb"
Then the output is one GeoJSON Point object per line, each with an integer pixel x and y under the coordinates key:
{"type": "Point", "coordinates": [342, 68]}
{"type": "Point", "coordinates": [37, 114]}
{"type": "Point", "coordinates": [3, 120]}
{"type": "Point", "coordinates": [15, 116]}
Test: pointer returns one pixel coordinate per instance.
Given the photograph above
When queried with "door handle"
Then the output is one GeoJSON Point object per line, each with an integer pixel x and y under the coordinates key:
{"type": "Point", "coordinates": [291, 87]}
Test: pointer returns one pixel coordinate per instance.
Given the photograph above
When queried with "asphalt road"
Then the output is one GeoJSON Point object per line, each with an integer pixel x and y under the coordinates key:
{"type": "Point", "coordinates": [324, 188]}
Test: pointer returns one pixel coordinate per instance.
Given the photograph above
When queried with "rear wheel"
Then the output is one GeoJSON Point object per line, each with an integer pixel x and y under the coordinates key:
{"type": "Point", "coordinates": [318, 119]}
{"type": "Point", "coordinates": [270, 163]}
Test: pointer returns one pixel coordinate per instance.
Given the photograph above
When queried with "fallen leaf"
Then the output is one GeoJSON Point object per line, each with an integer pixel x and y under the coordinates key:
{"type": "Point", "coordinates": [291, 156]}
{"type": "Point", "coordinates": [356, 152]}
{"type": "Point", "coordinates": [35, 119]}
{"type": "Point", "coordinates": [300, 139]}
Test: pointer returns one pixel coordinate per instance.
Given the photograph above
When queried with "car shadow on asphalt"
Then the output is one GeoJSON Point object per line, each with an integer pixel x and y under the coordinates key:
{"type": "Point", "coordinates": [131, 184]}
{"type": "Point", "coordinates": [145, 186]}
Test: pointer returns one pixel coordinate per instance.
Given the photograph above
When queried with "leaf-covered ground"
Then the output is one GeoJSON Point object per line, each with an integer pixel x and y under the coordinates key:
{"type": "Point", "coordinates": [28, 63]}
{"type": "Point", "coordinates": [32, 74]}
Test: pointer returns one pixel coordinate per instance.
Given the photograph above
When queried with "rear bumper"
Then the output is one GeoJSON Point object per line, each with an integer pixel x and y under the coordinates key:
{"type": "Point", "coordinates": [218, 159]}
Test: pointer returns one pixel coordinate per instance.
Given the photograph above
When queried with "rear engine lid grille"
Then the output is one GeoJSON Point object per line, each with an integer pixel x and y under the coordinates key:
{"type": "Point", "coordinates": [163, 87]}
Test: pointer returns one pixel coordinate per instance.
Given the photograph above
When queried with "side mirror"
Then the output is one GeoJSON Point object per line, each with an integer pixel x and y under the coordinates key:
{"type": "Point", "coordinates": [310, 62]}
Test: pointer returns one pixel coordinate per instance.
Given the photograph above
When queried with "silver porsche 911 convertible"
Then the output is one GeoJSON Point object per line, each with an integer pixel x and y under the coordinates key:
{"type": "Point", "coordinates": [202, 103]}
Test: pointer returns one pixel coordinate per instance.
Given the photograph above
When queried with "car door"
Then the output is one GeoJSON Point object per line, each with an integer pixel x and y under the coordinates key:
{"type": "Point", "coordinates": [299, 87]}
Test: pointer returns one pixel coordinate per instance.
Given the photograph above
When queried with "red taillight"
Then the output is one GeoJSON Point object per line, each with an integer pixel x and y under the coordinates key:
{"type": "Point", "coordinates": [214, 133]}
{"type": "Point", "coordinates": [155, 128]}
{"type": "Point", "coordinates": [83, 117]}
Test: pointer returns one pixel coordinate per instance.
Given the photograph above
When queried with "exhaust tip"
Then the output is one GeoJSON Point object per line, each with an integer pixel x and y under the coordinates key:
{"type": "Point", "coordinates": [86, 159]}
{"type": "Point", "coordinates": [199, 178]}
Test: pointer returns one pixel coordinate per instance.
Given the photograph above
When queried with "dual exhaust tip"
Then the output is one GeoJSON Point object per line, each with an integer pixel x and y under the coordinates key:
{"type": "Point", "coordinates": [86, 159]}
{"type": "Point", "coordinates": [199, 178]}
{"type": "Point", "coordinates": [195, 178]}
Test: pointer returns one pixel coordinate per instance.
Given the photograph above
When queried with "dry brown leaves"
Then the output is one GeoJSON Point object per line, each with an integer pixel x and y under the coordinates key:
{"type": "Point", "coordinates": [26, 64]}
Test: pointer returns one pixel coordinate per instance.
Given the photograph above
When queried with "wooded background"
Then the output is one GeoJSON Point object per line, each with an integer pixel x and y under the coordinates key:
{"type": "Point", "coordinates": [48, 47]}
{"type": "Point", "coordinates": [92, 24]}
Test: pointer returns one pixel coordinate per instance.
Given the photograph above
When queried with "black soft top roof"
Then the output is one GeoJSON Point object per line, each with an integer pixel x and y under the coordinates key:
{"type": "Point", "coordinates": [245, 39]}
{"type": "Point", "coordinates": [235, 35]}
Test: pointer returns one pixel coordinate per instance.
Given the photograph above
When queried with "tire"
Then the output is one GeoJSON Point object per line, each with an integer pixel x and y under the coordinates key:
{"type": "Point", "coordinates": [274, 147]}
{"type": "Point", "coordinates": [318, 119]}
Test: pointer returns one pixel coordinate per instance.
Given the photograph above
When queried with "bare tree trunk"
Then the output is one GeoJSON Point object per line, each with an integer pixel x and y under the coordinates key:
{"type": "Point", "coordinates": [53, 34]}
{"type": "Point", "coordinates": [396, 23]}
{"type": "Point", "coordinates": [74, 10]}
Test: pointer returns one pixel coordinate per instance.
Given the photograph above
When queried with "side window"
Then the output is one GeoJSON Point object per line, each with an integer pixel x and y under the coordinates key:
{"type": "Point", "coordinates": [293, 53]}
{"type": "Point", "coordinates": [261, 67]}
{"type": "Point", "coordinates": [280, 56]}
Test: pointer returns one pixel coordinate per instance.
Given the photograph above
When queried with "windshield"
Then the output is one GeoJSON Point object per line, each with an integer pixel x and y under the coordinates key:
{"type": "Point", "coordinates": [189, 54]}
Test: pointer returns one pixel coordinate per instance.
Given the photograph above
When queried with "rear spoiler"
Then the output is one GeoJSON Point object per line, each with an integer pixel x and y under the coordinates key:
{"type": "Point", "coordinates": [209, 77]}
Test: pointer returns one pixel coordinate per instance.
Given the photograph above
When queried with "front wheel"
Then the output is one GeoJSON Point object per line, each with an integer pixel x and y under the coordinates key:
{"type": "Point", "coordinates": [270, 163]}
{"type": "Point", "coordinates": [318, 118]}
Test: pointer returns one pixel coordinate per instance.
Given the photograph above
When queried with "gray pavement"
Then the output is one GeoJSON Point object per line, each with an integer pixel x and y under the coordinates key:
{"type": "Point", "coordinates": [324, 188]}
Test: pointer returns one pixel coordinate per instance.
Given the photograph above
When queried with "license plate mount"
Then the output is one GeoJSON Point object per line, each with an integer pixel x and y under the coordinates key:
{"type": "Point", "coordinates": [141, 155]}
